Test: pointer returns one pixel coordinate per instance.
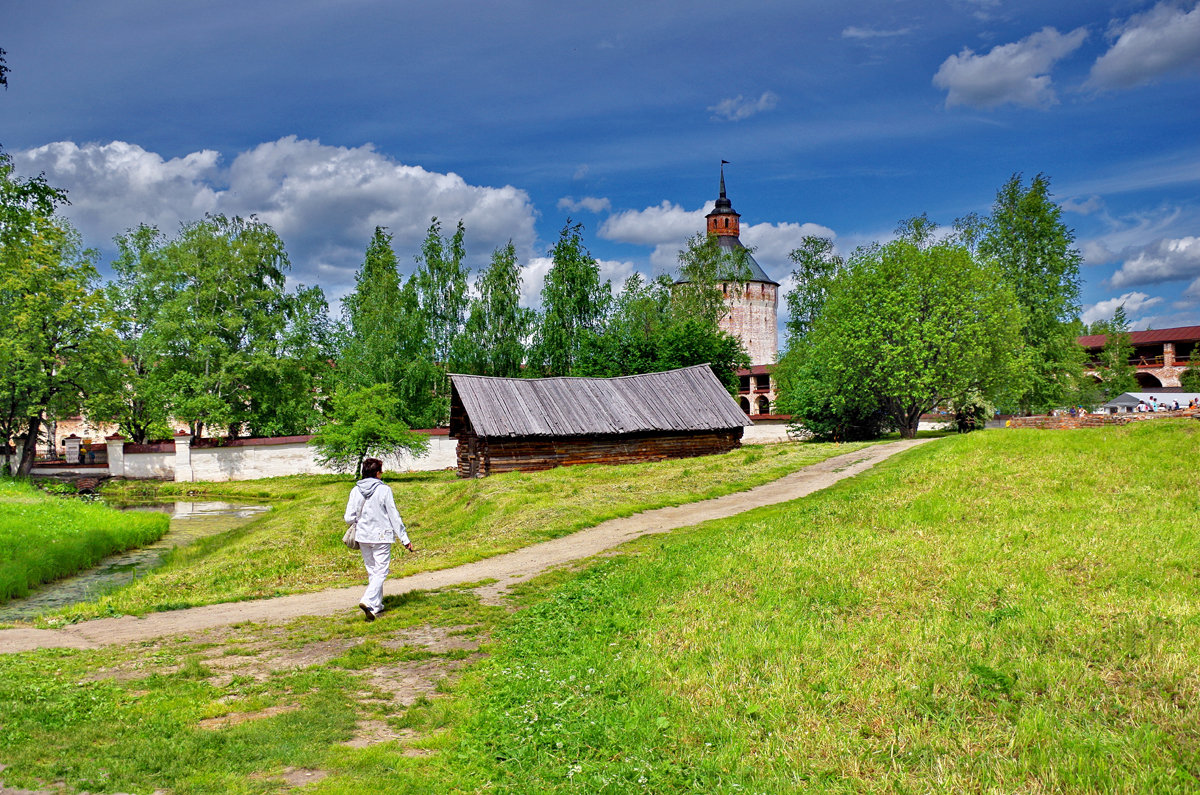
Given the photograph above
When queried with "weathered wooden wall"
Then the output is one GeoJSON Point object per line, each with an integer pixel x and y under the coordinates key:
{"type": "Point", "coordinates": [533, 453]}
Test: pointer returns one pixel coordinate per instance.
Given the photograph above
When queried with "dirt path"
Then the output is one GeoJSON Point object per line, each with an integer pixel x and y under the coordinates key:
{"type": "Point", "coordinates": [507, 570]}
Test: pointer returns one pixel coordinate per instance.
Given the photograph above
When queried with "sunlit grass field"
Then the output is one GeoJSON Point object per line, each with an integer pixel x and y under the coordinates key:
{"type": "Point", "coordinates": [297, 547]}
{"type": "Point", "coordinates": [1008, 611]}
{"type": "Point", "coordinates": [44, 537]}
{"type": "Point", "coordinates": [1011, 611]}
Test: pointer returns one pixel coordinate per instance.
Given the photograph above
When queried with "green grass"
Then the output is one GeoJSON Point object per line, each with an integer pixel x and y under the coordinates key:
{"type": "Point", "coordinates": [146, 718]}
{"type": "Point", "coordinates": [43, 537]}
{"type": "Point", "coordinates": [1011, 611]}
{"type": "Point", "coordinates": [297, 547]}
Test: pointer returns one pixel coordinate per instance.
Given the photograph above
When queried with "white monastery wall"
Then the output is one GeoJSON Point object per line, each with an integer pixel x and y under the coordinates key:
{"type": "Point", "coordinates": [149, 466]}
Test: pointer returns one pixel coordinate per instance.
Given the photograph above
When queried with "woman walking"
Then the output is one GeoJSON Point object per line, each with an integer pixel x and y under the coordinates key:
{"type": "Point", "coordinates": [372, 510]}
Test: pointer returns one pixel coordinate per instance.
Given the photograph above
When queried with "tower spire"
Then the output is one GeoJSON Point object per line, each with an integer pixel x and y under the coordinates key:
{"type": "Point", "coordinates": [723, 220]}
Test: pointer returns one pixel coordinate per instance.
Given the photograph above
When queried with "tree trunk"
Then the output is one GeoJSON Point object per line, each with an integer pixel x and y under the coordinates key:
{"type": "Point", "coordinates": [29, 448]}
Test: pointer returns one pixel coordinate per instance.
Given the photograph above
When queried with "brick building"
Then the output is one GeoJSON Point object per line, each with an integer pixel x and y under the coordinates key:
{"type": "Point", "coordinates": [753, 312]}
{"type": "Point", "coordinates": [1159, 356]}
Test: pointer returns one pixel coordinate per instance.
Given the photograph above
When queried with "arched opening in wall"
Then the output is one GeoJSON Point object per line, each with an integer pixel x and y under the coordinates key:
{"type": "Point", "coordinates": [745, 404]}
{"type": "Point", "coordinates": [764, 405]}
{"type": "Point", "coordinates": [1148, 381]}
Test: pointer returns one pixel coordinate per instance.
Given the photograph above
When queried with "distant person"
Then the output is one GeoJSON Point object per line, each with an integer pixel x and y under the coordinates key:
{"type": "Point", "coordinates": [1175, 405]}
{"type": "Point", "coordinates": [372, 510]}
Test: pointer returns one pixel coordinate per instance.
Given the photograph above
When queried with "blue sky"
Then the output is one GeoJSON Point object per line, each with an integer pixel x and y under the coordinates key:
{"type": "Point", "coordinates": [328, 118]}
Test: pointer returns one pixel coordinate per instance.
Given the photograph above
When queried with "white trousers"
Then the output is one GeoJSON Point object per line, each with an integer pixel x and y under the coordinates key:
{"type": "Point", "coordinates": [377, 558]}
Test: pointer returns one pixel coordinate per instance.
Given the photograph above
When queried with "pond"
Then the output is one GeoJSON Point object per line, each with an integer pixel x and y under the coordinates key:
{"type": "Point", "coordinates": [190, 521]}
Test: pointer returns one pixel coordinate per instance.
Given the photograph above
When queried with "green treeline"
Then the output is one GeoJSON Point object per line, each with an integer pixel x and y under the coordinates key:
{"type": "Point", "coordinates": [979, 318]}
{"type": "Point", "coordinates": [203, 328]}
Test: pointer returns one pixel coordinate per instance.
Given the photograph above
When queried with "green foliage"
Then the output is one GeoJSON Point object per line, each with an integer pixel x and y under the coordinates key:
{"type": "Point", "coordinates": [574, 306]}
{"type": "Point", "coordinates": [43, 537]}
{"type": "Point", "coordinates": [364, 422]}
{"type": "Point", "coordinates": [371, 350]}
{"type": "Point", "coordinates": [213, 336]}
{"type": "Point", "coordinates": [493, 342]}
{"type": "Point", "coordinates": [662, 326]}
{"type": "Point", "coordinates": [441, 283]}
{"type": "Point", "coordinates": [137, 393]}
{"type": "Point", "coordinates": [905, 327]}
{"type": "Point", "coordinates": [1189, 379]}
{"type": "Point", "coordinates": [56, 326]}
{"type": "Point", "coordinates": [1027, 239]}
{"type": "Point", "coordinates": [817, 267]}
{"type": "Point", "coordinates": [384, 338]}
{"type": "Point", "coordinates": [1117, 374]}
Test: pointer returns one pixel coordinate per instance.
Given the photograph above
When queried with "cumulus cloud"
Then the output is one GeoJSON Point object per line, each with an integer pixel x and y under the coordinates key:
{"type": "Point", "coordinates": [1135, 304]}
{"type": "Point", "coordinates": [115, 186]}
{"type": "Point", "coordinates": [662, 223]}
{"type": "Point", "coordinates": [1164, 39]}
{"type": "Point", "coordinates": [592, 204]}
{"type": "Point", "coordinates": [667, 227]}
{"type": "Point", "coordinates": [1014, 73]}
{"type": "Point", "coordinates": [1164, 260]}
{"type": "Point", "coordinates": [853, 32]}
{"type": "Point", "coordinates": [739, 107]}
{"type": "Point", "coordinates": [324, 201]}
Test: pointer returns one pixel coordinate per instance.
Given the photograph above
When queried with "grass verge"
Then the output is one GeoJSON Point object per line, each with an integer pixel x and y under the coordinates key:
{"type": "Point", "coordinates": [43, 537]}
{"type": "Point", "coordinates": [297, 548]}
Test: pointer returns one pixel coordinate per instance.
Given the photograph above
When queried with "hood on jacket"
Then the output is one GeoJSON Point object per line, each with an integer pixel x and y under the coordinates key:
{"type": "Point", "coordinates": [367, 486]}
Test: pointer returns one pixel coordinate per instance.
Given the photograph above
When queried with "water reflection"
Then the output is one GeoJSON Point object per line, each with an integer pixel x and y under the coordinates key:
{"type": "Point", "coordinates": [190, 521]}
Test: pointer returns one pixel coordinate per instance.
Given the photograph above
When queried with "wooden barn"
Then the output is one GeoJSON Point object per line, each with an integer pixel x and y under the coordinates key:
{"type": "Point", "coordinates": [504, 424]}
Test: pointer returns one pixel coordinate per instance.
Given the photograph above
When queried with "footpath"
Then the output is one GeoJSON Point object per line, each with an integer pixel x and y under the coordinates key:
{"type": "Point", "coordinates": [501, 571]}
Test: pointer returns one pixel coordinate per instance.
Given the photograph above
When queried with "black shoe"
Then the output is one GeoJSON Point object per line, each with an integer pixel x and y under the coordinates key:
{"type": "Point", "coordinates": [367, 611]}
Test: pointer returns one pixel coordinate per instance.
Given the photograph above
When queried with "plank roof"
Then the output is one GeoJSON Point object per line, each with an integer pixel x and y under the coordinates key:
{"type": "Point", "coordinates": [687, 399]}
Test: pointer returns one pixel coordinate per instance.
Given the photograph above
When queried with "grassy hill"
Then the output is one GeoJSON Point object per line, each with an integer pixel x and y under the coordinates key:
{"type": "Point", "coordinates": [1008, 611]}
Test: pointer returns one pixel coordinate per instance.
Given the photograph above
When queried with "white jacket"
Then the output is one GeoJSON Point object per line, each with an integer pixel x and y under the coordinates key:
{"type": "Point", "coordinates": [372, 509]}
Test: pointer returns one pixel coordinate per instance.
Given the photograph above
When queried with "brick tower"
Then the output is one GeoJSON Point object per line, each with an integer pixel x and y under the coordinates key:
{"type": "Point", "coordinates": [753, 304]}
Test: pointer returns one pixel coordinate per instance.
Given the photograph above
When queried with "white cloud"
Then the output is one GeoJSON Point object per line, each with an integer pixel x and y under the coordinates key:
{"type": "Point", "coordinates": [854, 32]}
{"type": "Point", "coordinates": [1164, 39]}
{"type": "Point", "coordinates": [1164, 260]}
{"type": "Point", "coordinates": [662, 223]}
{"type": "Point", "coordinates": [592, 204]}
{"type": "Point", "coordinates": [1134, 303]}
{"type": "Point", "coordinates": [772, 243]}
{"type": "Point", "coordinates": [1010, 73]}
{"type": "Point", "coordinates": [324, 201]}
{"type": "Point", "coordinates": [113, 187]}
{"type": "Point", "coordinates": [739, 107]}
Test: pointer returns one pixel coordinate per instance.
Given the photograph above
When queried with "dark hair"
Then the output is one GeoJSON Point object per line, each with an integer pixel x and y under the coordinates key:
{"type": "Point", "coordinates": [371, 467]}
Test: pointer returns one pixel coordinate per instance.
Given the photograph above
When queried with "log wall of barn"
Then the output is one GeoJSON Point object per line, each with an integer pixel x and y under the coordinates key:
{"type": "Point", "coordinates": [534, 453]}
